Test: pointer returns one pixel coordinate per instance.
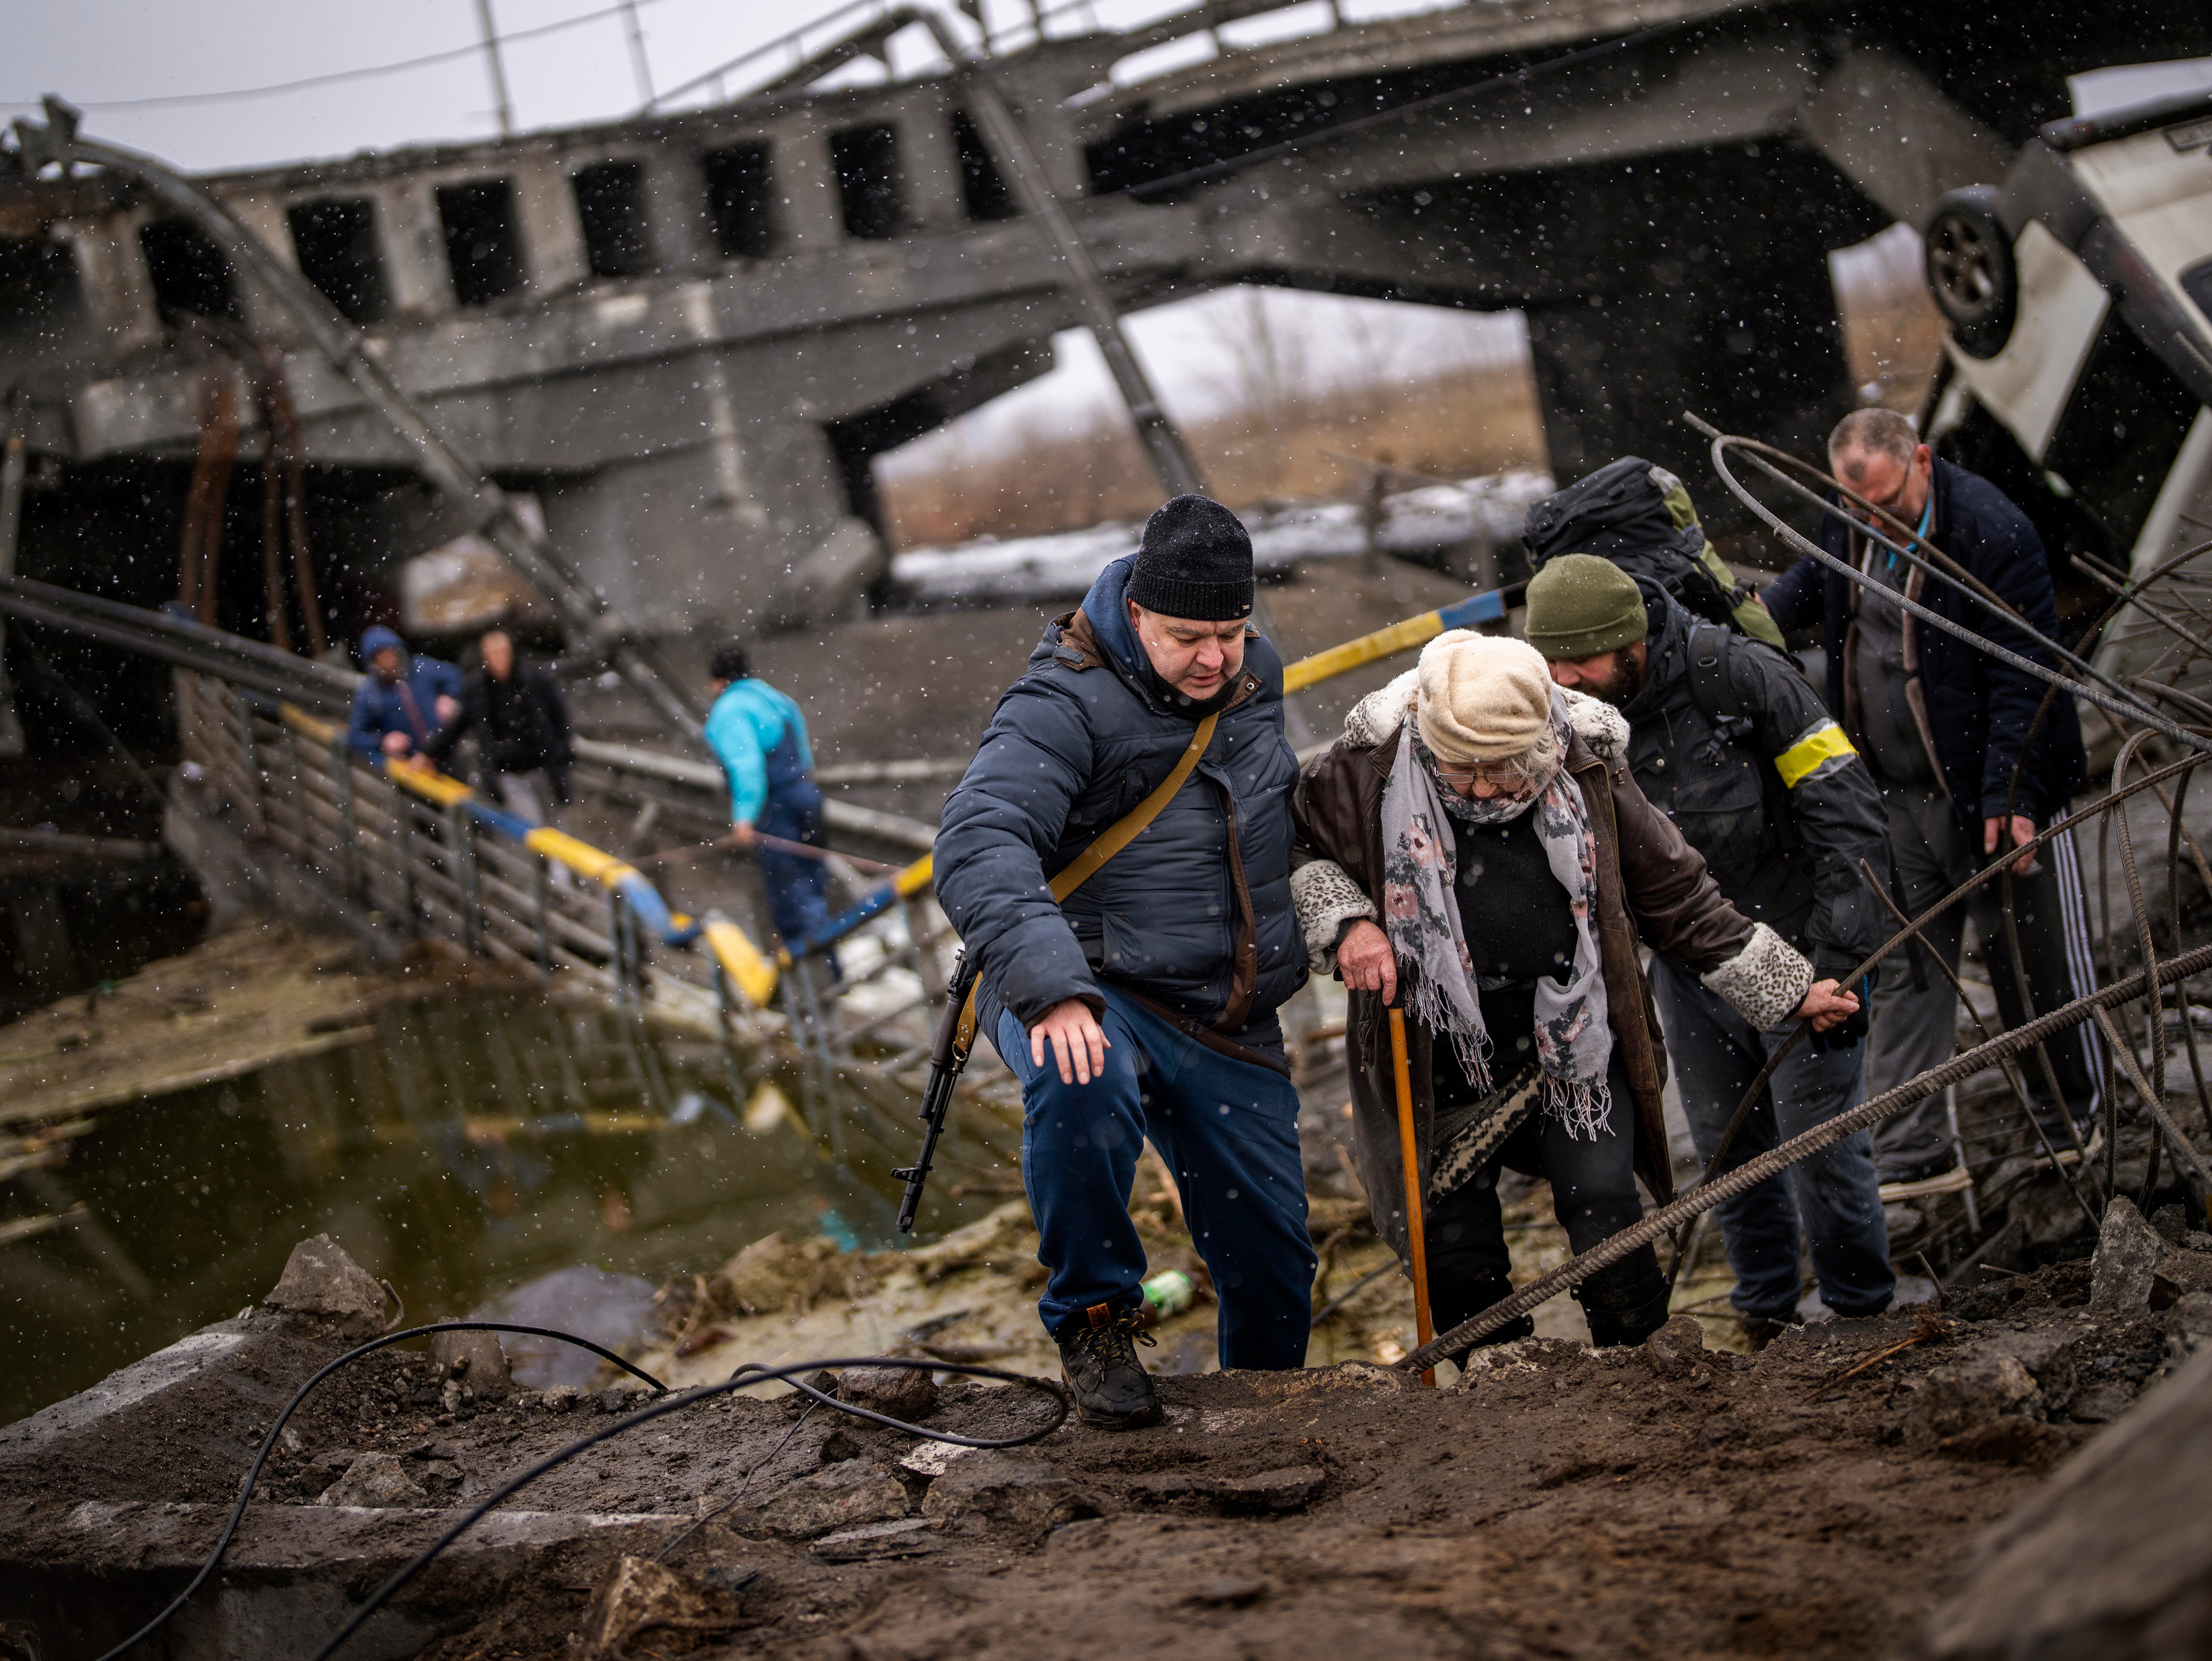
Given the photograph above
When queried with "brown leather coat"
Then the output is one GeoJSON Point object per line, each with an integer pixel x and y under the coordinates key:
{"type": "Point", "coordinates": [1652, 885]}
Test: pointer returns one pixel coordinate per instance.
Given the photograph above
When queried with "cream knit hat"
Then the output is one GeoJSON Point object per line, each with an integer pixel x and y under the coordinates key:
{"type": "Point", "coordinates": [1483, 697]}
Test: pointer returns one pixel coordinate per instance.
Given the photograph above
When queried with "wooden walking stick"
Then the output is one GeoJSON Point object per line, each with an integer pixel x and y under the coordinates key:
{"type": "Point", "coordinates": [1403, 1074]}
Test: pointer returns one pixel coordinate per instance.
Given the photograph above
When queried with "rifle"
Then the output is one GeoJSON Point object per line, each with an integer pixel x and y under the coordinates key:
{"type": "Point", "coordinates": [948, 1055]}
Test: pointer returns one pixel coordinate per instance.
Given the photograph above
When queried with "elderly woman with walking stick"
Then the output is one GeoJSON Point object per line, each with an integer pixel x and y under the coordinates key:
{"type": "Point", "coordinates": [1474, 851]}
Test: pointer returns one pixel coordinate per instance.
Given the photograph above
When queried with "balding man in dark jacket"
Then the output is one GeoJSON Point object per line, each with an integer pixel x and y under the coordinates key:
{"type": "Point", "coordinates": [1144, 1006]}
{"type": "Point", "coordinates": [1969, 758]}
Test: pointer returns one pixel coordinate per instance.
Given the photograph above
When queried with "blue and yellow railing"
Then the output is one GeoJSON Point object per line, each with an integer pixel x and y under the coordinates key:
{"type": "Point", "coordinates": [741, 964]}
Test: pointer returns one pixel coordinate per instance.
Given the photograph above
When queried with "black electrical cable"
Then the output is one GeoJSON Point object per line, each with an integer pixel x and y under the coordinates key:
{"type": "Point", "coordinates": [269, 1441]}
{"type": "Point", "coordinates": [759, 1465]}
{"type": "Point", "coordinates": [679, 1400]}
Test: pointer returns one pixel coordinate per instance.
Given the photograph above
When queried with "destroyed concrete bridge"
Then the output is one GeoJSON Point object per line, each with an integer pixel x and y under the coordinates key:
{"type": "Point", "coordinates": [688, 333]}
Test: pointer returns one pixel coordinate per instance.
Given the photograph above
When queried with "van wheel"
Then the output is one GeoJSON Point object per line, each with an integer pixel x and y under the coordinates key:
{"type": "Point", "coordinates": [1971, 271]}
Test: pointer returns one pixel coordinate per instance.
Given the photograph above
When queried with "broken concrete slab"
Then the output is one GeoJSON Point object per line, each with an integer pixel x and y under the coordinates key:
{"type": "Point", "coordinates": [375, 1481]}
{"type": "Point", "coordinates": [1286, 1490]}
{"type": "Point", "coordinates": [2129, 1252]}
{"type": "Point", "coordinates": [321, 1280]}
{"type": "Point", "coordinates": [844, 1496]}
{"type": "Point", "coordinates": [908, 1536]}
{"type": "Point", "coordinates": [1010, 1488]}
{"type": "Point", "coordinates": [2110, 1558]}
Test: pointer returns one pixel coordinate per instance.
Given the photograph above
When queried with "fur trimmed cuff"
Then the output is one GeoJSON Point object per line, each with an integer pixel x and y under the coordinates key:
{"type": "Point", "coordinates": [1766, 981]}
{"type": "Point", "coordinates": [1326, 899]}
{"type": "Point", "coordinates": [1598, 724]}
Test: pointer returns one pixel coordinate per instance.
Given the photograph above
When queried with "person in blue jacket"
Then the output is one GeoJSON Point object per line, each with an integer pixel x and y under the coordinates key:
{"type": "Point", "coordinates": [760, 738]}
{"type": "Point", "coordinates": [1145, 1005]}
{"type": "Point", "coordinates": [1969, 760]}
{"type": "Point", "coordinates": [404, 701]}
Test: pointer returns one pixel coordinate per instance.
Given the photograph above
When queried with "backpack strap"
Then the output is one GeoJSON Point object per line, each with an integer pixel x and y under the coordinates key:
{"type": "Point", "coordinates": [1109, 842]}
{"type": "Point", "coordinates": [1714, 691]}
{"type": "Point", "coordinates": [1709, 682]}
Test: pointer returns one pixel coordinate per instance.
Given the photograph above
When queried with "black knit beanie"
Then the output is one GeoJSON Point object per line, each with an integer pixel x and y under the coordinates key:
{"type": "Point", "coordinates": [1195, 562]}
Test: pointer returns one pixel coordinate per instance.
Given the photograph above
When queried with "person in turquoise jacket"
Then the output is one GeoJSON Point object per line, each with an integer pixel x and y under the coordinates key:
{"type": "Point", "coordinates": [760, 738]}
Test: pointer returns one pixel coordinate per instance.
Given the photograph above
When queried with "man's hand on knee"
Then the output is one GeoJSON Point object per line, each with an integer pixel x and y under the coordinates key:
{"type": "Point", "coordinates": [1078, 1043]}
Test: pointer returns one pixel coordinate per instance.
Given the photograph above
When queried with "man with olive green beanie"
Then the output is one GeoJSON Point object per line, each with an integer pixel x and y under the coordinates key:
{"type": "Point", "coordinates": [1732, 743]}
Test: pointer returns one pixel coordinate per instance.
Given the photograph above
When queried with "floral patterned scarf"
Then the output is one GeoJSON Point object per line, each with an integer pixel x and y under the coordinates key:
{"type": "Point", "coordinates": [1420, 915]}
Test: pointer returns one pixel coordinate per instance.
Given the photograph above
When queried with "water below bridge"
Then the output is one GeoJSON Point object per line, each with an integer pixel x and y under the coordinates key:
{"type": "Point", "coordinates": [473, 1145]}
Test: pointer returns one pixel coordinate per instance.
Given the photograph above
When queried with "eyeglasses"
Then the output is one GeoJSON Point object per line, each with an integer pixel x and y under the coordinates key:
{"type": "Point", "coordinates": [1505, 778]}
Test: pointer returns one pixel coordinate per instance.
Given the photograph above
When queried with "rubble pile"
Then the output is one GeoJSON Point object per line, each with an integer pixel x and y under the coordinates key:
{"type": "Point", "coordinates": [1821, 1499]}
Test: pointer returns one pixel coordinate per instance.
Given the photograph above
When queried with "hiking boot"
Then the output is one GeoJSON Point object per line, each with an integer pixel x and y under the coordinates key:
{"type": "Point", "coordinates": [1111, 1387]}
{"type": "Point", "coordinates": [1759, 1332]}
{"type": "Point", "coordinates": [1626, 1302]}
{"type": "Point", "coordinates": [1610, 1328]}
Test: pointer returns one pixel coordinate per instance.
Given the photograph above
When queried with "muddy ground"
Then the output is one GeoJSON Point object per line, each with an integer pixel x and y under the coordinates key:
{"type": "Point", "coordinates": [1814, 1500]}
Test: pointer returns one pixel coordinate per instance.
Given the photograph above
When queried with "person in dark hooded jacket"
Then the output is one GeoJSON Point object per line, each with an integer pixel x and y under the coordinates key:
{"type": "Point", "coordinates": [404, 699]}
{"type": "Point", "coordinates": [1145, 1005]}
{"type": "Point", "coordinates": [1731, 742]}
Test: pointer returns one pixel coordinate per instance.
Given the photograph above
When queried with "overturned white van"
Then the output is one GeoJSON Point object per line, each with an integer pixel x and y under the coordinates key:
{"type": "Point", "coordinates": [2079, 292]}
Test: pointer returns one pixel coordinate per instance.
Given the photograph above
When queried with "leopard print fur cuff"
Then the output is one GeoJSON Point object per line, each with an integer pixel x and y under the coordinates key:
{"type": "Point", "coordinates": [1326, 898]}
{"type": "Point", "coordinates": [1766, 981]}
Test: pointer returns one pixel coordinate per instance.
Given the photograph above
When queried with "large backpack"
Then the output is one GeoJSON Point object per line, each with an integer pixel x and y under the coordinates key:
{"type": "Point", "coordinates": [1640, 517]}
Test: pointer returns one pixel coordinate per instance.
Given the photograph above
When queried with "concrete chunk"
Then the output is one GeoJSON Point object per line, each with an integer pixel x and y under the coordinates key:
{"type": "Point", "coordinates": [377, 1481]}
{"type": "Point", "coordinates": [637, 1596]}
{"type": "Point", "coordinates": [1677, 1347]}
{"type": "Point", "coordinates": [473, 1359]}
{"type": "Point", "coordinates": [908, 1394]}
{"type": "Point", "coordinates": [2128, 1255]}
{"type": "Point", "coordinates": [319, 1280]}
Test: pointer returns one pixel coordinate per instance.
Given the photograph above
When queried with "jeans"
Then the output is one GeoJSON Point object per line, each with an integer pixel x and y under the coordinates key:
{"type": "Point", "coordinates": [1832, 1194]}
{"type": "Point", "coordinates": [797, 887]}
{"type": "Point", "coordinates": [1228, 1131]}
{"type": "Point", "coordinates": [1592, 1196]}
{"type": "Point", "coordinates": [1915, 1013]}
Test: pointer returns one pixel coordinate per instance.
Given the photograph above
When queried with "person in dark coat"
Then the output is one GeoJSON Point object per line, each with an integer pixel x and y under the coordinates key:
{"type": "Point", "coordinates": [1474, 848]}
{"type": "Point", "coordinates": [403, 699]}
{"type": "Point", "coordinates": [1729, 740]}
{"type": "Point", "coordinates": [521, 726]}
{"type": "Point", "coordinates": [1146, 1004]}
{"type": "Point", "coordinates": [1953, 739]}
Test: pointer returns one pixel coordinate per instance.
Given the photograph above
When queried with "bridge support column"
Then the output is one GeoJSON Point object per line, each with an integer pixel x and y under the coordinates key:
{"type": "Point", "coordinates": [1753, 346]}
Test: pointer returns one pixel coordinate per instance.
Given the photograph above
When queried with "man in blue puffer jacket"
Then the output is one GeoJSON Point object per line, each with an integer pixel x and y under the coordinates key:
{"type": "Point", "coordinates": [1146, 1004]}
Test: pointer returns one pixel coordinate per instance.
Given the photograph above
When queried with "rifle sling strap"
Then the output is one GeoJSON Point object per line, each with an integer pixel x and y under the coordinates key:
{"type": "Point", "coordinates": [1110, 841]}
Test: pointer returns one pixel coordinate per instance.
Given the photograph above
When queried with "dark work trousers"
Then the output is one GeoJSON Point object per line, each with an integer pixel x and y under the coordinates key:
{"type": "Point", "coordinates": [1228, 1131]}
{"type": "Point", "coordinates": [1592, 1196]}
{"type": "Point", "coordinates": [1832, 1196]}
{"type": "Point", "coordinates": [797, 887]}
{"type": "Point", "coordinates": [1915, 1013]}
